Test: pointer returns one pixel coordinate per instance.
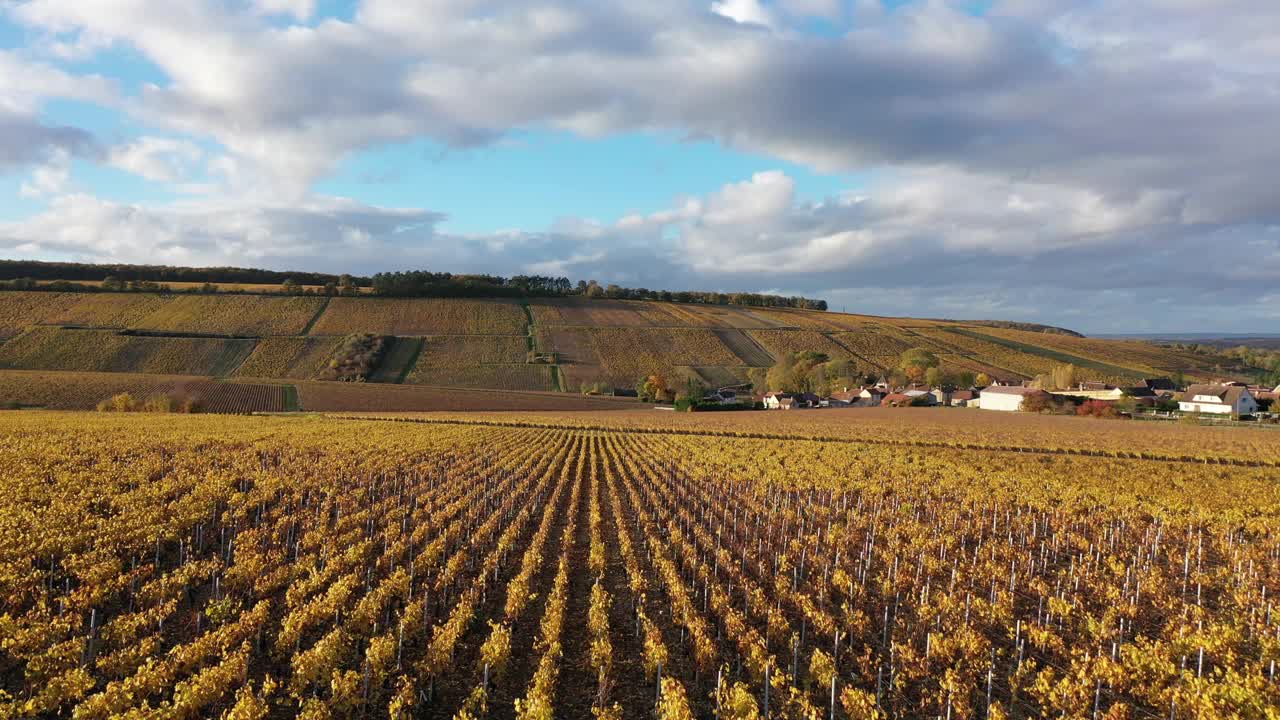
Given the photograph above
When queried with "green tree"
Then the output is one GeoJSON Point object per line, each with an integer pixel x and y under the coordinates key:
{"type": "Point", "coordinates": [111, 282]}
{"type": "Point", "coordinates": [291, 287]}
{"type": "Point", "coordinates": [915, 362]}
{"type": "Point", "coordinates": [934, 377]}
{"type": "Point", "coordinates": [347, 285]}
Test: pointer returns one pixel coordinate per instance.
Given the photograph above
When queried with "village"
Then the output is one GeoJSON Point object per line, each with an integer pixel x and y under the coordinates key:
{"type": "Point", "coordinates": [1153, 397]}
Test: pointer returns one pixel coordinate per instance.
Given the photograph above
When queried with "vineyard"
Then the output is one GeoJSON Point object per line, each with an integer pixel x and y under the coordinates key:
{"type": "Point", "coordinates": [52, 348]}
{"type": "Point", "coordinates": [83, 391]}
{"type": "Point", "coordinates": [273, 567]}
{"type": "Point", "coordinates": [485, 343]}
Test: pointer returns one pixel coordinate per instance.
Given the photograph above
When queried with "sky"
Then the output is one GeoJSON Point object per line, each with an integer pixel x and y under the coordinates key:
{"type": "Point", "coordinates": [1105, 166]}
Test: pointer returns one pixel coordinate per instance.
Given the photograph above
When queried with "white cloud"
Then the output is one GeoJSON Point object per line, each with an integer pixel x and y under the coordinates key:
{"type": "Point", "coordinates": [156, 158]}
{"type": "Point", "coordinates": [299, 9]}
{"type": "Point", "coordinates": [748, 12]}
{"type": "Point", "coordinates": [51, 178]}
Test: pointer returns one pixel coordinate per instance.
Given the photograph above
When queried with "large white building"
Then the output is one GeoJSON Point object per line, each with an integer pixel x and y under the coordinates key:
{"type": "Point", "coordinates": [1218, 400]}
{"type": "Point", "coordinates": [1006, 398]}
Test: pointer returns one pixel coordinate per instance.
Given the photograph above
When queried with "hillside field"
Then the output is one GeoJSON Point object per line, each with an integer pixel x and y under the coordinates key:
{"type": "Point", "coordinates": [536, 345]}
{"type": "Point", "coordinates": [479, 566]}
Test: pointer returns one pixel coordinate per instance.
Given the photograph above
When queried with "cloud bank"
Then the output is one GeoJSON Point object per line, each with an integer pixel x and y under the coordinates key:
{"type": "Point", "coordinates": [1111, 163]}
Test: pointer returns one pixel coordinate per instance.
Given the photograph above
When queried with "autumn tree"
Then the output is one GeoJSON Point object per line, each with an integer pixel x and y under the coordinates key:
{"type": "Point", "coordinates": [1064, 376]}
{"type": "Point", "coordinates": [653, 389]}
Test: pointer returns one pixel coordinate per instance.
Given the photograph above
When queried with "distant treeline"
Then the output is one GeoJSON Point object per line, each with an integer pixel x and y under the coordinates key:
{"type": "Point", "coordinates": [26, 274]}
{"type": "Point", "coordinates": [81, 272]}
{"type": "Point", "coordinates": [429, 284]}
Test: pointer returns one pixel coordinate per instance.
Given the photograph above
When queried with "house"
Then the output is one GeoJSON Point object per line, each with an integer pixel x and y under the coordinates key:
{"type": "Point", "coordinates": [808, 400]}
{"type": "Point", "coordinates": [1229, 399]}
{"type": "Point", "coordinates": [1005, 398]}
{"type": "Point", "coordinates": [941, 396]}
{"type": "Point", "coordinates": [787, 403]}
{"type": "Point", "coordinates": [844, 398]}
{"type": "Point", "coordinates": [921, 396]}
{"type": "Point", "coordinates": [1156, 385]}
{"type": "Point", "coordinates": [963, 398]}
{"type": "Point", "coordinates": [774, 400]}
{"type": "Point", "coordinates": [871, 397]}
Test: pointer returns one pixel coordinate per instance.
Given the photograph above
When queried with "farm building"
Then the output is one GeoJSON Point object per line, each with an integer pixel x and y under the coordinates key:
{"type": "Point", "coordinates": [723, 396]}
{"type": "Point", "coordinates": [923, 396]}
{"type": "Point", "coordinates": [963, 398]}
{"type": "Point", "coordinates": [1005, 398]}
{"type": "Point", "coordinates": [1094, 391]}
{"type": "Point", "coordinates": [1233, 399]}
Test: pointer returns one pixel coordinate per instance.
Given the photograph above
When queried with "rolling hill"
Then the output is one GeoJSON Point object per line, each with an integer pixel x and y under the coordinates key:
{"type": "Point", "coordinates": [534, 345]}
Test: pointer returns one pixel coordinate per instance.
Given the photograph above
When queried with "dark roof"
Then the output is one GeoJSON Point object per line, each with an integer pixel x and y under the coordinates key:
{"type": "Point", "coordinates": [963, 395]}
{"type": "Point", "coordinates": [1161, 383]}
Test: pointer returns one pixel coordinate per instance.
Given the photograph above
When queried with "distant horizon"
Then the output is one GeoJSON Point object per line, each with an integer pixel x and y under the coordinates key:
{"type": "Point", "coordinates": [970, 317]}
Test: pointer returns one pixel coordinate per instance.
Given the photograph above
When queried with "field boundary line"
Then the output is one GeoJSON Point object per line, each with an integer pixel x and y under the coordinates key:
{"type": "Point", "coordinates": [316, 318]}
{"type": "Point", "coordinates": [1116, 455]}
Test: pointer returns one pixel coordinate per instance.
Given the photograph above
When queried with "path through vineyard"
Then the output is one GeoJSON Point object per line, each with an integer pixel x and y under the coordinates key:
{"type": "Point", "coordinates": [375, 570]}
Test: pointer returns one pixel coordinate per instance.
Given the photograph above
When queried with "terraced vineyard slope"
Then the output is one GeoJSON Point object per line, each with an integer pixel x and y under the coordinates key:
{"type": "Point", "coordinates": [538, 345]}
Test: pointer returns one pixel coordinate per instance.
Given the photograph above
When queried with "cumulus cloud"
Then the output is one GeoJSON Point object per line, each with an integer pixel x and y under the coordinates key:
{"type": "Point", "coordinates": [218, 232]}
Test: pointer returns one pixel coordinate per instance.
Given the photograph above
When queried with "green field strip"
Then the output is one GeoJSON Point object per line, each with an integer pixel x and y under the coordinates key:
{"type": "Point", "coordinates": [233, 357]}
{"type": "Point", "coordinates": [398, 360]}
{"type": "Point", "coordinates": [1050, 354]}
{"type": "Point", "coordinates": [418, 345]}
{"type": "Point", "coordinates": [291, 398]}
{"type": "Point", "coordinates": [316, 318]}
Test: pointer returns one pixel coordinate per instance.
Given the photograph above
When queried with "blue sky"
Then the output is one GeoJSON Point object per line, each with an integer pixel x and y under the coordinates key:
{"type": "Point", "coordinates": [957, 158]}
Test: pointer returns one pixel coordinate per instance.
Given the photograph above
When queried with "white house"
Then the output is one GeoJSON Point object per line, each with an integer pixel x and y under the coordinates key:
{"type": "Point", "coordinates": [1218, 400]}
{"type": "Point", "coordinates": [871, 397]}
{"type": "Point", "coordinates": [1005, 398]}
{"type": "Point", "coordinates": [779, 401]}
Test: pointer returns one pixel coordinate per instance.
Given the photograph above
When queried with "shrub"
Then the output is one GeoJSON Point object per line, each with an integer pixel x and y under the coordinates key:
{"type": "Point", "coordinates": [158, 403]}
{"type": "Point", "coordinates": [123, 402]}
{"type": "Point", "coordinates": [355, 358]}
{"type": "Point", "coordinates": [1096, 408]}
